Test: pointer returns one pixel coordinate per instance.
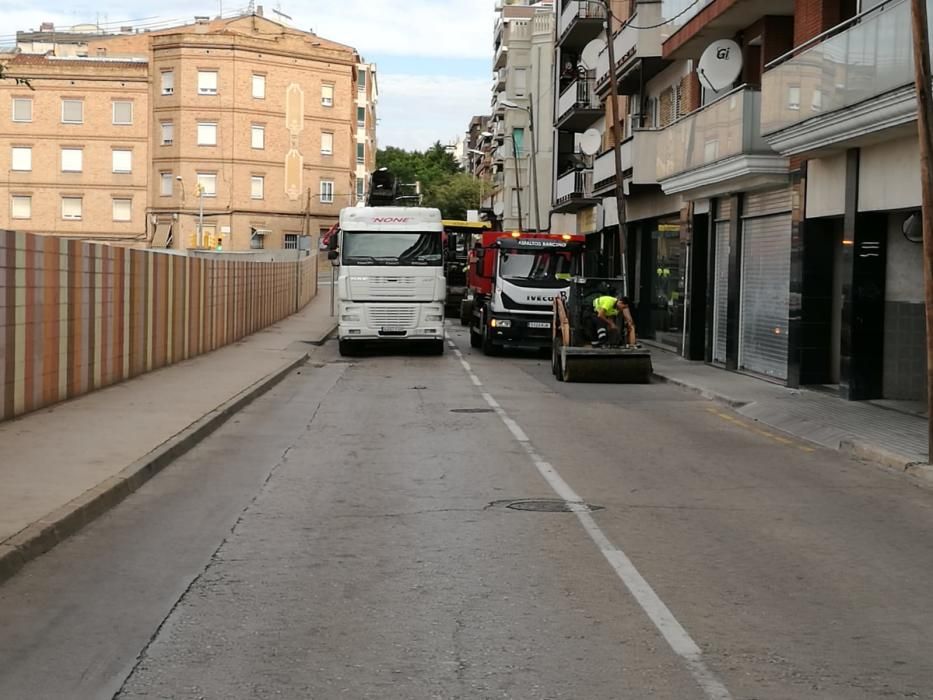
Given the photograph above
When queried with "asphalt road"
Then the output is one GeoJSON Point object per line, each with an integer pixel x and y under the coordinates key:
{"type": "Point", "coordinates": [349, 535]}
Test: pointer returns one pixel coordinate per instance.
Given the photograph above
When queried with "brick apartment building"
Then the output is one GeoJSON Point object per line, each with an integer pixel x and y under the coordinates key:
{"type": "Point", "coordinates": [129, 137]}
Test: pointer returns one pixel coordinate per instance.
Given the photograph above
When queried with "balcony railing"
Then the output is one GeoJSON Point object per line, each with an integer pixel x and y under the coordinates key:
{"type": "Point", "coordinates": [640, 38]}
{"type": "Point", "coordinates": [679, 12]}
{"type": "Point", "coordinates": [577, 10]}
{"type": "Point", "coordinates": [577, 184]}
{"type": "Point", "coordinates": [722, 129]}
{"type": "Point", "coordinates": [579, 95]}
{"type": "Point", "coordinates": [604, 170]}
{"type": "Point", "coordinates": [870, 58]}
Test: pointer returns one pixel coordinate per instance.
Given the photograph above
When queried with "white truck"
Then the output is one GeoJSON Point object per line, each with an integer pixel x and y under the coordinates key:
{"type": "Point", "coordinates": [391, 285]}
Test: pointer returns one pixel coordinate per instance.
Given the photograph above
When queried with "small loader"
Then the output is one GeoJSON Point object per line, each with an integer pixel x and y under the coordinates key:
{"type": "Point", "coordinates": [574, 357]}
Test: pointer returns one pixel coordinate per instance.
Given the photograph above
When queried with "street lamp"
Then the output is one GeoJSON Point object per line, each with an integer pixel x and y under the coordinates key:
{"type": "Point", "coordinates": [508, 104]}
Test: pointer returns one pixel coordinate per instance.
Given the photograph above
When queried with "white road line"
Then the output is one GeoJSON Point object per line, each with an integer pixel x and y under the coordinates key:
{"type": "Point", "coordinates": [672, 631]}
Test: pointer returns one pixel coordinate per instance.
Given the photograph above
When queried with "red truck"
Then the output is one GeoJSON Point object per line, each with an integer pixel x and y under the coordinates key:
{"type": "Point", "coordinates": [512, 281]}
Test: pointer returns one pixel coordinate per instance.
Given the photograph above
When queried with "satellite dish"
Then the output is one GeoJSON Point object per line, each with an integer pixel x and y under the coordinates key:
{"type": "Point", "coordinates": [720, 64]}
{"type": "Point", "coordinates": [498, 209]}
{"type": "Point", "coordinates": [913, 228]}
{"type": "Point", "coordinates": [590, 141]}
{"type": "Point", "coordinates": [590, 54]}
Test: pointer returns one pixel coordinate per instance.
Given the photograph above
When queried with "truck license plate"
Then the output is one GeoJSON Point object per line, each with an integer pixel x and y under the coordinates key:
{"type": "Point", "coordinates": [391, 329]}
{"type": "Point", "coordinates": [539, 324]}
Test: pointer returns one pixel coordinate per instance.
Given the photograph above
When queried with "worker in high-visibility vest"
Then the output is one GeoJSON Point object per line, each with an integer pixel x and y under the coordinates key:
{"type": "Point", "coordinates": [607, 310]}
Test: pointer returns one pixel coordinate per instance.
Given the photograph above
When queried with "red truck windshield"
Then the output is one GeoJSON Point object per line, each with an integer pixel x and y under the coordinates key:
{"type": "Point", "coordinates": [536, 268]}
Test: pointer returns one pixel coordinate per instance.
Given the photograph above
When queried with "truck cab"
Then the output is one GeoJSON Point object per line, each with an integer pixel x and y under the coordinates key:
{"type": "Point", "coordinates": [458, 237]}
{"type": "Point", "coordinates": [513, 280]}
{"type": "Point", "coordinates": [391, 284]}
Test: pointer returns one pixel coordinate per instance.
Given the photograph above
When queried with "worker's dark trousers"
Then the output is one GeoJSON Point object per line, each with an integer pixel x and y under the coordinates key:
{"type": "Point", "coordinates": [599, 330]}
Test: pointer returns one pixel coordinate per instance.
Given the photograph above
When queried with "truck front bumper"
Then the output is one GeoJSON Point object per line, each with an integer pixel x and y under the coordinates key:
{"type": "Point", "coordinates": [520, 330]}
{"type": "Point", "coordinates": [391, 322]}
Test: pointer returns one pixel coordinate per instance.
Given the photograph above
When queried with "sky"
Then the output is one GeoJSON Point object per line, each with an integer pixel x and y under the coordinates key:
{"type": "Point", "coordinates": [434, 57]}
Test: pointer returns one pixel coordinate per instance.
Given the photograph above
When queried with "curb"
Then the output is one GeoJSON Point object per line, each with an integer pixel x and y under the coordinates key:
{"type": "Point", "coordinates": [704, 393]}
{"type": "Point", "coordinates": [886, 458]}
{"type": "Point", "coordinates": [57, 526]}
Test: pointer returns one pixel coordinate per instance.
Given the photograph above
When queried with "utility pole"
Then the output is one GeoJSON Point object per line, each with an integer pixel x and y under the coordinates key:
{"type": "Point", "coordinates": [924, 105]}
{"type": "Point", "coordinates": [518, 186]}
{"type": "Point", "coordinates": [617, 145]}
{"type": "Point", "coordinates": [534, 160]}
{"type": "Point", "coordinates": [200, 190]}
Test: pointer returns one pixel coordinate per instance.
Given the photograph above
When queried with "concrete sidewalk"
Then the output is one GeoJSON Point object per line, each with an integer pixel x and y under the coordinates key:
{"type": "Point", "coordinates": [63, 466]}
{"type": "Point", "coordinates": [865, 429]}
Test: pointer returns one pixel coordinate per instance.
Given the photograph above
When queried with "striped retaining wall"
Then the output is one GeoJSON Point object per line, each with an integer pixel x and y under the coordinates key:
{"type": "Point", "coordinates": [75, 317]}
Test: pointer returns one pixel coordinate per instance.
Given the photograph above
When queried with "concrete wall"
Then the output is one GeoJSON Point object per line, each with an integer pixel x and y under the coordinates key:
{"type": "Point", "coordinates": [826, 186]}
{"type": "Point", "coordinates": [75, 317]}
{"type": "Point", "coordinates": [889, 175]}
{"type": "Point", "coordinates": [904, 317]}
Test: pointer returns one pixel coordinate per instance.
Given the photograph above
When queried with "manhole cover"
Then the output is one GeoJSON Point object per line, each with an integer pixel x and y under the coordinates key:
{"type": "Point", "coordinates": [547, 505]}
{"type": "Point", "coordinates": [471, 410]}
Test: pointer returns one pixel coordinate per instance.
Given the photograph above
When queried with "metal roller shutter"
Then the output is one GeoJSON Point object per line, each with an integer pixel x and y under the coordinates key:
{"type": "Point", "coordinates": [765, 295]}
{"type": "Point", "coordinates": [720, 291]}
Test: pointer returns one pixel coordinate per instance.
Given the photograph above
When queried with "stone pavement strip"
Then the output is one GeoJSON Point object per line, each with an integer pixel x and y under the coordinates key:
{"type": "Point", "coordinates": [866, 430]}
{"type": "Point", "coordinates": [64, 466]}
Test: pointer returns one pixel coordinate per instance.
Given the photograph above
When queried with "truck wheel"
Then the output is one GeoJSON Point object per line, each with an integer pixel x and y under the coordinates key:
{"type": "Point", "coordinates": [437, 347]}
{"type": "Point", "coordinates": [555, 358]}
{"type": "Point", "coordinates": [476, 340]}
{"type": "Point", "coordinates": [347, 348]}
{"type": "Point", "coordinates": [466, 312]}
{"type": "Point", "coordinates": [489, 347]}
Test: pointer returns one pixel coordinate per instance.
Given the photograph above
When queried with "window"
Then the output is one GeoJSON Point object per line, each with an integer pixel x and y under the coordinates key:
{"type": "Point", "coordinates": [207, 82]}
{"type": "Point", "coordinates": [327, 191]}
{"type": "Point", "coordinates": [168, 82]}
{"type": "Point", "coordinates": [817, 104]}
{"type": "Point", "coordinates": [361, 116]}
{"type": "Point", "coordinates": [122, 113]}
{"type": "Point", "coordinates": [361, 79]}
{"type": "Point", "coordinates": [258, 136]}
{"type": "Point", "coordinates": [327, 143]}
{"type": "Point", "coordinates": [72, 111]}
{"type": "Point", "coordinates": [168, 133]}
{"type": "Point", "coordinates": [291, 241]}
{"type": "Point", "coordinates": [327, 95]}
{"type": "Point", "coordinates": [122, 161]}
{"type": "Point", "coordinates": [360, 188]}
{"type": "Point", "coordinates": [257, 238]}
{"type": "Point", "coordinates": [122, 209]}
{"type": "Point", "coordinates": [21, 206]}
{"type": "Point", "coordinates": [793, 97]}
{"type": "Point", "coordinates": [257, 186]}
{"type": "Point", "coordinates": [22, 109]}
{"type": "Point", "coordinates": [166, 184]}
{"type": "Point", "coordinates": [259, 87]}
{"type": "Point", "coordinates": [361, 153]}
{"type": "Point", "coordinates": [208, 184]}
{"type": "Point", "coordinates": [21, 158]}
{"type": "Point", "coordinates": [72, 160]}
{"type": "Point", "coordinates": [71, 208]}
{"type": "Point", "coordinates": [521, 82]}
{"type": "Point", "coordinates": [518, 141]}
{"type": "Point", "coordinates": [207, 133]}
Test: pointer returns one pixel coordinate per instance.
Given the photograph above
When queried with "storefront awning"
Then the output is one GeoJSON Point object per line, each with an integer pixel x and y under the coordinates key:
{"type": "Point", "coordinates": [162, 237]}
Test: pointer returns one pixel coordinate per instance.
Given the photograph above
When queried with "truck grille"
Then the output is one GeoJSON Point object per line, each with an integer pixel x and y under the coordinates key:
{"type": "Point", "coordinates": [392, 287]}
{"type": "Point", "coordinates": [393, 316]}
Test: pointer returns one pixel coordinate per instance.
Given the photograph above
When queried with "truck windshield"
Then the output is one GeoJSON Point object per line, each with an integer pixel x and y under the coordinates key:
{"type": "Point", "coordinates": [536, 269]}
{"type": "Point", "coordinates": [391, 248]}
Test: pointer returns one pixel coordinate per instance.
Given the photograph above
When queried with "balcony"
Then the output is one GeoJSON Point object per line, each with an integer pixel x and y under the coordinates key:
{"type": "Point", "coordinates": [501, 56]}
{"type": "Point", "coordinates": [581, 21]}
{"type": "Point", "coordinates": [637, 51]}
{"type": "Point", "coordinates": [574, 191]}
{"type": "Point", "coordinates": [578, 106]}
{"type": "Point", "coordinates": [687, 35]}
{"type": "Point", "coordinates": [639, 160]}
{"type": "Point", "coordinates": [719, 149]}
{"type": "Point", "coordinates": [854, 84]}
{"type": "Point", "coordinates": [500, 78]}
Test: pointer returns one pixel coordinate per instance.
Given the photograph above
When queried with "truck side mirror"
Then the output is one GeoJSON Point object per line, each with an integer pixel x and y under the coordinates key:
{"type": "Point", "coordinates": [333, 254]}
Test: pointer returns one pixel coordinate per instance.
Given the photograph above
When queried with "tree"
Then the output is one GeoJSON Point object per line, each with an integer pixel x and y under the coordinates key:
{"type": "Point", "coordinates": [443, 183]}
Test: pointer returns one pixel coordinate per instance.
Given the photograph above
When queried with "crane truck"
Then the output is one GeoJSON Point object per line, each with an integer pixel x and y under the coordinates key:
{"type": "Point", "coordinates": [513, 279]}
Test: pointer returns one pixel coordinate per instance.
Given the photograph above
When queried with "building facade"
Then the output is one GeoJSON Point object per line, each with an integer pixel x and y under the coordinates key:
{"type": "Point", "coordinates": [231, 134]}
{"type": "Point", "coordinates": [769, 220]}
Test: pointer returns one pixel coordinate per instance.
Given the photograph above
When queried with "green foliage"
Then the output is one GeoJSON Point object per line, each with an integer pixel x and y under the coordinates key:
{"type": "Point", "coordinates": [443, 184]}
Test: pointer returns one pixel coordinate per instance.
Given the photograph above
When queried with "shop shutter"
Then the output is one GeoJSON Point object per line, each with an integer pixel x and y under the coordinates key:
{"type": "Point", "coordinates": [763, 321]}
{"type": "Point", "coordinates": [721, 291]}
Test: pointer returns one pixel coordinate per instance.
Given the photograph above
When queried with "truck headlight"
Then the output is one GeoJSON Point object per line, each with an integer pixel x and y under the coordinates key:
{"type": "Point", "coordinates": [350, 318]}
{"type": "Point", "coordinates": [500, 323]}
{"type": "Point", "coordinates": [433, 317]}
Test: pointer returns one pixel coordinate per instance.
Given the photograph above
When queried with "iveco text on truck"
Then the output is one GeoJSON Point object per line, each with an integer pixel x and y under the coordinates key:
{"type": "Point", "coordinates": [391, 284]}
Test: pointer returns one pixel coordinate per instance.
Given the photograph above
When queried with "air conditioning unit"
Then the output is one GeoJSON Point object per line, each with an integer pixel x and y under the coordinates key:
{"type": "Point", "coordinates": [168, 91]}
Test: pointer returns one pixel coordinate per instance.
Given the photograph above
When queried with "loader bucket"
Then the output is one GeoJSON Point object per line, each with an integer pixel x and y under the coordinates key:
{"type": "Point", "coordinates": [605, 365]}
